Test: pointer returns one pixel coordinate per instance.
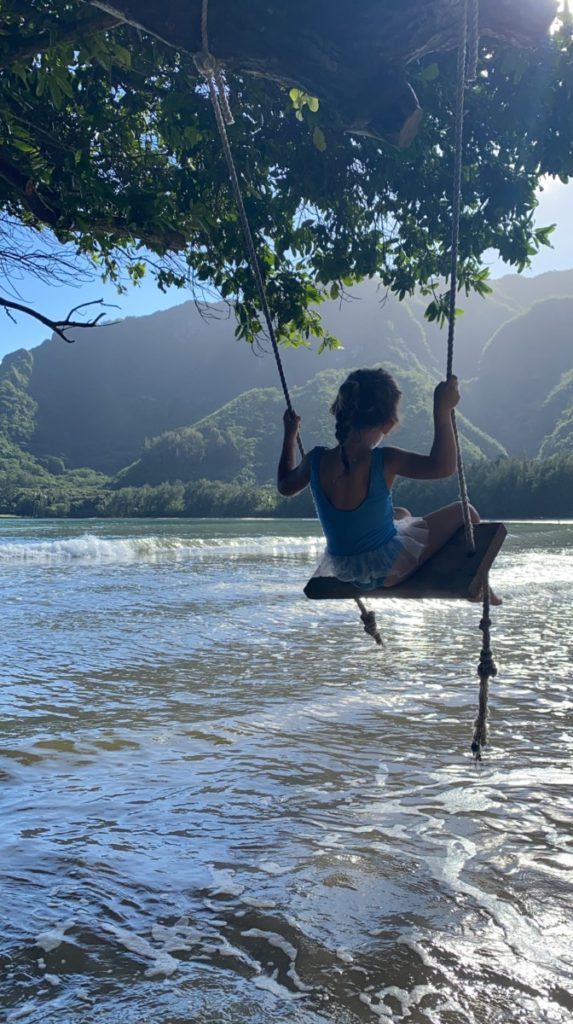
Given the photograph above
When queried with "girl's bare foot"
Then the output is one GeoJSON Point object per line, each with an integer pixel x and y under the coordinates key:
{"type": "Point", "coordinates": [494, 599]}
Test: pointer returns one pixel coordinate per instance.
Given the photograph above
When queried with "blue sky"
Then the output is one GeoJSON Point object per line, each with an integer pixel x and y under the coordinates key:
{"type": "Point", "coordinates": [556, 207]}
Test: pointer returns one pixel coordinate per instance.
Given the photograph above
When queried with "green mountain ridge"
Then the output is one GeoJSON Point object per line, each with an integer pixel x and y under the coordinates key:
{"type": "Point", "coordinates": [242, 439]}
{"type": "Point", "coordinates": [559, 405]}
{"type": "Point", "coordinates": [521, 367]}
{"type": "Point", "coordinates": [175, 396]}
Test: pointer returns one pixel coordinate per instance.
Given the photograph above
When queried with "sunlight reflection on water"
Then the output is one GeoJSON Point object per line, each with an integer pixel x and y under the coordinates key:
{"type": "Point", "coordinates": [222, 802]}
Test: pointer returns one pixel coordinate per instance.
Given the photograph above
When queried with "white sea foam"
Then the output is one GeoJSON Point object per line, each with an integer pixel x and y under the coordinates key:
{"type": "Point", "coordinates": [346, 958]}
{"type": "Point", "coordinates": [273, 986]}
{"type": "Point", "coordinates": [279, 942]}
{"type": "Point", "coordinates": [53, 937]}
{"type": "Point", "coordinates": [408, 1000]}
{"type": "Point", "coordinates": [162, 963]}
{"type": "Point", "coordinates": [274, 939]}
{"type": "Point", "coordinates": [90, 548]}
{"type": "Point", "coordinates": [272, 868]}
{"type": "Point", "coordinates": [259, 904]}
{"type": "Point", "coordinates": [177, 938]}
{"type": "Point", "coordinates": [224, 883]}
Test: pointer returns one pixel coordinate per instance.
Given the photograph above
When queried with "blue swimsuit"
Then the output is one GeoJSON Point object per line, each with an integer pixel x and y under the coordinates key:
{"type": "Point", "coordinates": [366, 545]}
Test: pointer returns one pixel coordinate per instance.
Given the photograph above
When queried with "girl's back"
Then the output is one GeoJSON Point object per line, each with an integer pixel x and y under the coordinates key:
{"type": "Point", "coordinates": [345, 490]}
{"type": "Point", "coordinates": [354, 505]}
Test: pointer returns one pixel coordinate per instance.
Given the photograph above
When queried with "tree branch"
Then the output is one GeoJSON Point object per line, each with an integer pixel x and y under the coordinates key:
{"type": "Point", "coordinates": [35, 203]}
{"type": "Point", "coordinates": [352, 54]}
{"type": "Point", "coordinates": [58, 326]}
{"type": "Point", "coordinates": [45, 207]}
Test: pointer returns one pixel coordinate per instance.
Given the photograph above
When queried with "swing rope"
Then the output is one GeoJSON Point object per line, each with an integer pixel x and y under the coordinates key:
{"type": "Point", "coordinates": [454, 251]}
{"type": "Point", "coordinates": [468, 48]}
{"type": "Point", "coordinates": [208, 66]}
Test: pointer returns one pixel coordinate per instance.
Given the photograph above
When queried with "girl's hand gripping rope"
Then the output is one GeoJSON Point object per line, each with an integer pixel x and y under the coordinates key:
{"type": "Point", "coordinates": [447, 395]}
{"type": "Point", "coordinates": [291, 423]}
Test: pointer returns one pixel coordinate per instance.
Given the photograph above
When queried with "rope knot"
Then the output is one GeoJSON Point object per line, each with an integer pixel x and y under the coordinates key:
{"type": "Point", "coordinates": [205, 63]}
{"type": "Point", "coordinates": [487, 668]}
{"type": "Point", "coordinates": [480, 725]}
{"type": "Point", "coordinates": [209, 66]}
{"type": "Point", "coordinates": [370, 627]}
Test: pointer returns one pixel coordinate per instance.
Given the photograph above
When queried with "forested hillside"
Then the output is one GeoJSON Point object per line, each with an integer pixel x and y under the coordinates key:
{"type": "Point", "coordinates": [175, 397]}
{"type": "Point", "coordinates": [241, 441]}
{"type": "Point", "coordinates": [520, 392]}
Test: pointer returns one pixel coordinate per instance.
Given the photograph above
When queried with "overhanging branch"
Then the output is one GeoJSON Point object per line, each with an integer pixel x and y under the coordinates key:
{"type": "Point", "coordinates": [45, 206]}
{"type": "Point", "coordinates": [352, 54]}
{"type": "Point", "coordinates": [58, 326]}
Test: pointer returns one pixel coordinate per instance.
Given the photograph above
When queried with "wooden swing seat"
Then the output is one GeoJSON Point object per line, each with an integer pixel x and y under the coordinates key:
{"type": "Point", "coordinates": [450, 573]}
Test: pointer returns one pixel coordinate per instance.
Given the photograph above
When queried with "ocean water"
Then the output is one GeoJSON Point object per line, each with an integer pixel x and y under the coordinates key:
{"type": "Point", "coordinates": [221, 802]}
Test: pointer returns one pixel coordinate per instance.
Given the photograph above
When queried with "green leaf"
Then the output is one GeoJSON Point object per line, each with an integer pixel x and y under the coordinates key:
{"type": "Point", "coordinates": [122, 55]}
{"type": "Point", "coordinates": [430, 73]}
{"type": "Point", "coordinates": [23, 147]}
{"type": "Point", "coordinates": [63, 82]}
{"type": "Point", "coordinates": [319, 139]}
{"type": "Point", "coordinates": [55, 93]}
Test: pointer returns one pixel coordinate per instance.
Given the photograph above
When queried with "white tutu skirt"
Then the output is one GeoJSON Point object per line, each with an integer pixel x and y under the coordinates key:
{"type": "Point", "coordinates": [385, 565]}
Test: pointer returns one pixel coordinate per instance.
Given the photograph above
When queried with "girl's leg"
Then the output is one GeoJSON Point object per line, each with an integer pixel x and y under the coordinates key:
{"type": "Point", "coordinates": [442, 524]}
{"type": "Point", "coordinates": [401, 513]}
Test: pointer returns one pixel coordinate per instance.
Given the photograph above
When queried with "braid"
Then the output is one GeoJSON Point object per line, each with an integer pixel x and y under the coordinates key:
{"type": "Point", "coordinates": [344, 410]}
{"type": "Point", "coordinates": [343, 426]}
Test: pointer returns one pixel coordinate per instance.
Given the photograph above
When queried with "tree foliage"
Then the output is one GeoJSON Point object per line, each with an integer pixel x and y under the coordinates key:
{"type": "Point", "coordinates": [505, 488]}
{"type": "Point", "coordinates": [107, 138]}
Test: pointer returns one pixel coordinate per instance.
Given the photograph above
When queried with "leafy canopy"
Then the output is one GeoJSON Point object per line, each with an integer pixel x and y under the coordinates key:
{"type": "Point", "coordinates": [107, 137]}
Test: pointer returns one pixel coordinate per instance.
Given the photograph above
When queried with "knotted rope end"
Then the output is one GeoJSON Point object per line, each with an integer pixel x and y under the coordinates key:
{"type": "Point", "coordinates": [480, 724]}
{"type": "Point", "coordinates": [370, 627]}
{"type": "Point", "coordinates": [208, 66]}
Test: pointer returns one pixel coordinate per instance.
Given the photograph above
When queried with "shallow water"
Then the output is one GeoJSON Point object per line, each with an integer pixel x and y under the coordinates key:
{"type": "Point", "coordinates": [222, 802]}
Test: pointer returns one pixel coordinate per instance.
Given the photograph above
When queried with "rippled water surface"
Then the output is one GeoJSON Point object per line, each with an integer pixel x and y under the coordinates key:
{"type": "Point", "coordinates": [222, 803]}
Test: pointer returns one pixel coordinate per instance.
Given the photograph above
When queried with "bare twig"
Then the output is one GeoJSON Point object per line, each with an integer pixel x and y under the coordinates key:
{"type": "Point", "coordinates": [59, 327]}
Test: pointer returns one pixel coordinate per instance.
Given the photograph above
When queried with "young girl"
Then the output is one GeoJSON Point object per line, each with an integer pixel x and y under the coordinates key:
{"type": "Point", "coordinates": [368, 541]}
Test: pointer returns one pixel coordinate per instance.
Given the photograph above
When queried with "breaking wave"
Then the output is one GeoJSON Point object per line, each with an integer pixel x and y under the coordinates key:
{"type": "Point", "coordinates": [90, 548]}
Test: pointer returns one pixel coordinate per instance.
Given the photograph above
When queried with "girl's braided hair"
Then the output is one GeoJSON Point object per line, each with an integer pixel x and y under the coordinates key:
{"type": "Point", "coordinates": [367, 398]}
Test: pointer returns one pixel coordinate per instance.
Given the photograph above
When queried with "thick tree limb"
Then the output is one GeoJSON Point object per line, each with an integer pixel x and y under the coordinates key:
{"type": "Point", "coordinates": [45, 206]}
{"type": "Point", "coordinates": [350, 53]}
{"type": "Point", "coordinates": [40, 207]}
{"type": "Point", "coordinates": [57, 326]}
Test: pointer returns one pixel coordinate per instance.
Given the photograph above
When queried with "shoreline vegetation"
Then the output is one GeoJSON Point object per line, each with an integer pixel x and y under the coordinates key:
{"type": "Point", "coordinates": [507, 488]}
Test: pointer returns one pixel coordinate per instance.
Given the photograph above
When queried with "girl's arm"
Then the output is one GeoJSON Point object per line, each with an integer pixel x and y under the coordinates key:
{"type": "Point", "coordinates": [441, 461]}
{"type": "Point", "coordinates": [291, 479]}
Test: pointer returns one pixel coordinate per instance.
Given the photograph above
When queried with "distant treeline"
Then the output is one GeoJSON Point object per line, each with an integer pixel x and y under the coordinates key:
{"type": "Point", "coordinates": [506, 488]}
